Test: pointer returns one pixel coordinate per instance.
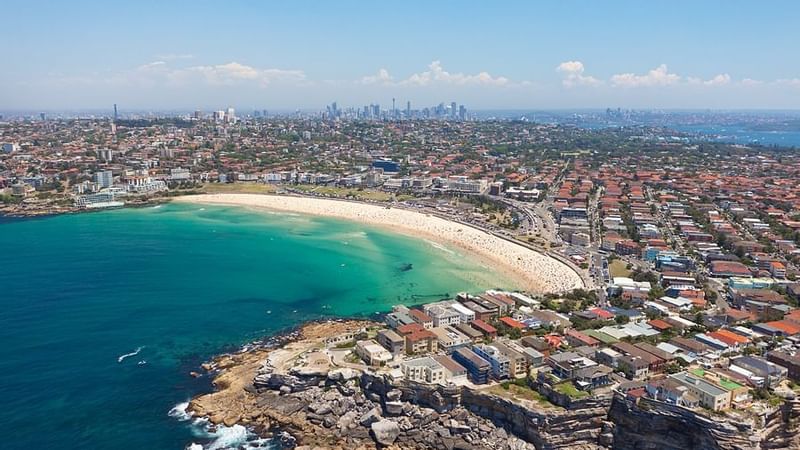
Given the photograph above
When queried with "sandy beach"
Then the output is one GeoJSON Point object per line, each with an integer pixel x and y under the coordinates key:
{"type": "Point", "coordinates": [533, 271]}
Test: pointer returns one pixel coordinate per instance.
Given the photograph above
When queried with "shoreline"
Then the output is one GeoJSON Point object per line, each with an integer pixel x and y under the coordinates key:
{"type": "Point", "coordinates": [534, 271]}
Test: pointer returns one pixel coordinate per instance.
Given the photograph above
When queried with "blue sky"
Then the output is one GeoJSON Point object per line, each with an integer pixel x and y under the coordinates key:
{"type": "Point", "coordinates": [298, 54]}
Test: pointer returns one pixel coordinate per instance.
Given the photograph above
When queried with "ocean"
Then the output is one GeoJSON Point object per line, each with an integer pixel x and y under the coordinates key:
{"type": "Point", "coordinates": [105, 314]}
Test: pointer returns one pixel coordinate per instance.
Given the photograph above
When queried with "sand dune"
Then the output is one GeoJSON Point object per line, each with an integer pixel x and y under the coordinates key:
{"type": "Point", "coordinates": [534, 271]}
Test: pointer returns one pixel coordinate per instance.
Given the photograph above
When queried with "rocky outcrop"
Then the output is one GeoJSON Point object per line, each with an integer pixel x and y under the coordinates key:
{"type": "Point", "coordinates": [782, 427]}
{"type": "Point", "coordinates": [551, 428]}
{"type": "Point", "coordinates": [655, 425]}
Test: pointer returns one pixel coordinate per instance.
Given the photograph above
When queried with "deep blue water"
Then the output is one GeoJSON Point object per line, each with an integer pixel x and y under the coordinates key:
{"type": "Point", "coordinates": [182, 283]}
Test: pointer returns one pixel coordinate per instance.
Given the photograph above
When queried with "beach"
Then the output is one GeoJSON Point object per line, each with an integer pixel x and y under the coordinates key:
{"type": "Point", "coordinates": [533, 271]}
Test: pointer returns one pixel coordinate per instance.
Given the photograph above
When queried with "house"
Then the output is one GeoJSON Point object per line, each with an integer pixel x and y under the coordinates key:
{"type": "Point", "coordinates": [608, 356]}
{"type": "Point", "coordinates": [634, 367]}
{"type": "Point", "coordinates": [536, 343]}
{"type": "Point", "coordinates": [709, 395]}
{"type": "Point", "coordinates": [478, 369]}
{"type": "Point", "coordinates": [672, 391]}
{"type": "Point", "coordinates": [690, 346]}
{"type": "Point", "coordinates": [566, 364]}
{"type": "Point", "coordinates": [654, 363]}
{"type": "Point", "coordinates": [533, 357]}
{"type": "Point", "coordinates": [764, 373]}
{"type": "Point", "coordinates": [372, 353]}
{"type": "Point", "coordinates": [733, 340]}
{"type": "Point", "coordinates": [577, 339]}
{"type": "Point", "coordinates": [593, 377]}
{"type": "Point", "coordinates": [790, 362]}
{"type": "Point", "coordinates": [399, 317]}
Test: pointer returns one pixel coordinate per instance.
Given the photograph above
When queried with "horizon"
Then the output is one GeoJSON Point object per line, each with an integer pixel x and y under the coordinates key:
{"type": "Point", "coordinates": [544, 56]}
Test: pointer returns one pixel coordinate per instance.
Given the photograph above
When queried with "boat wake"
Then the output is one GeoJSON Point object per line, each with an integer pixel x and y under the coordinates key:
{"type": "Point", "coordinates": [128, 355]}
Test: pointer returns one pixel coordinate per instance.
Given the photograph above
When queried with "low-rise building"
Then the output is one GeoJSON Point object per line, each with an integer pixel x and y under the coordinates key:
{"type": "Point", "coordinates": [391, 341]}
{"type": "Point", "coordinates": [709, 395]}
{"type": "Point", "coordinates": [424, 369]}
{"type": "Point", "coordinates": [500, 363]}
{"type": "Point", "coordinates": [478, 369]}
{"type": "Point", "coordinates": [372, 353]}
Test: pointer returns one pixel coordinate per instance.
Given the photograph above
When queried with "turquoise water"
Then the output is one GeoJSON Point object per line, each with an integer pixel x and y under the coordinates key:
{"type": "Point", "coordinates": [181, 283]}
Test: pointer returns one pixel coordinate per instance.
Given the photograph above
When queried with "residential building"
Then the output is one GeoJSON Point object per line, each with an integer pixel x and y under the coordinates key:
{"type": "Point", "coordinates": [478, 369]}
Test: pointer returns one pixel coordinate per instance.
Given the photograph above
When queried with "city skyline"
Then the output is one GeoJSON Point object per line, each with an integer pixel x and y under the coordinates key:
{"type": "Point", "coordinates": [717, 55]}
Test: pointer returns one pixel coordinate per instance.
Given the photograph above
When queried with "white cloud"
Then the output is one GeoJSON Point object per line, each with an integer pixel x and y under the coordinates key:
{"type": "Point", "coordinates": [221, 74]}
{"type": "Point", "coordinates": [793, 82]}
{"type": "Point", "coordinates": [382, 77]}
{"type": "Point", "coordinates": [718, 80]}
{"type": "Point", "coordinates": [161, 73]}
{"type": "Point", "coordinates": [750, 82]}
{"type": "Point", "coordinates": [437, 74]}
{"type": "Point", "coordinates": [573, 75]}
{"type": "Point", "coordinates": [659, 76]}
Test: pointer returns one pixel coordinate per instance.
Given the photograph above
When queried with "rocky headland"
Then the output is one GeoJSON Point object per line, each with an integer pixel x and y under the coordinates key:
{"type": "Point", "coordinates": [296, 389]}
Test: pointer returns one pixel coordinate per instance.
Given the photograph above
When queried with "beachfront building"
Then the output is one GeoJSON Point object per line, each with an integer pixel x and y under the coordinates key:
{"type": "Point", "coordinates": [466, 315]}
{"type": "Point", "coordinates": [442, 314]}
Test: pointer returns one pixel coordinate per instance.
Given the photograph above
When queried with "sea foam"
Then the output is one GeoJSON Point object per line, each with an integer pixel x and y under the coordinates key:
{"type": "Point", "coordinates": [179, 412]}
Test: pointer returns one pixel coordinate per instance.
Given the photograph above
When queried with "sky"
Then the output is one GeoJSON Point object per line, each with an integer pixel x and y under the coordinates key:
{"type": "Point", "coordinates": [300, 54]}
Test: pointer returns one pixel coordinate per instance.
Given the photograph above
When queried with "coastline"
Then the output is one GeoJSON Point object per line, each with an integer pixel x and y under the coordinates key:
{"type": "Point", "coordinates": [534, 271]}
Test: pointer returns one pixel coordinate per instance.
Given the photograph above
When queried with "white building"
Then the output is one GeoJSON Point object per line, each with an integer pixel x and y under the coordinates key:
{"type": "Point", "coordinates": [373, 353]}
{"type": "Point", "coordinates": [424, 369]}
{"type": "Point", "coordinates": [180, 174]}
{"type": "Point", "coordinates": [104, 178]}
{"type": "Point", "coordinates": [442, 314]}
{"type": "Point", "coordinates": [467, 315]}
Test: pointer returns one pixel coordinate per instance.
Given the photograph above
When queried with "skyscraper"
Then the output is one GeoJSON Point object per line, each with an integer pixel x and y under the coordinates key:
{"type": "Point", "coordinates": [408, 109]}
{"type": "Point", "coordinates": [453, 110]}
{"type": "Point", "coordinates": [115, 112]}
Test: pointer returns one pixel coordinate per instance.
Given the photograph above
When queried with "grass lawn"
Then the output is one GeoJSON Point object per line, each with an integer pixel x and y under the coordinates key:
{"type": "Point", "coordinates": [342, 192]}
{"type": "Point", "coordinates": [568, 388]}
{"type": "Point", "coordinates": [239, 188]}
{"type": "Point", "coordinates": [515, 392]}
{"type": "Point", "coordinates": [618, 268]}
